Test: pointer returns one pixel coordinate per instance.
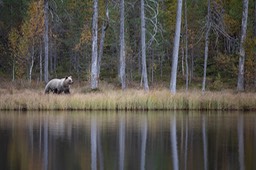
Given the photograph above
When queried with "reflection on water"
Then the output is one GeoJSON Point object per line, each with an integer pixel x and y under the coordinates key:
{"type": "Point", "coordinates": [111, 140]}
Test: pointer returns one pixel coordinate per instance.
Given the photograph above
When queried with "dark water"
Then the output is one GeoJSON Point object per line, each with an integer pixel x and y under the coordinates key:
{"type": "Point", "coordinates": [136, 140]}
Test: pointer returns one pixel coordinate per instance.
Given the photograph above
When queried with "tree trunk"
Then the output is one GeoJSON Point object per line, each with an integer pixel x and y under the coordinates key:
{"type": "Point", "coordinates": [94, 71]}
{"type": "Point", "coordinates": [46, 41]}
{"type": "Point", "coordinates": [122, 47]}
{"type": "Point", "coordinates": [175, 54]}
{"type": "Point", "coordinates": [40, 63]}
{"type": "Point", "coordinates": [143, 48]}
{"type": "Point", "coordinates": [103, 32]}
{"type": "Point", "coordinates": [32, 61]}
{"type": "Point", "coordinates": [254, 35]}
{"type": "Point", "coordinates": [186, 44]}
{"type": "Point", "coordinates": [240, 80]}
{"type": "Point", "coordinates": [13, 69]}
{"type": "Point", "coordinates": [206, 49]}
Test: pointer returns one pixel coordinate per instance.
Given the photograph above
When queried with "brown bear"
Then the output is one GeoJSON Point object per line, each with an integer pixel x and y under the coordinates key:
{"type": "Point", "coordinates": [59, 85]}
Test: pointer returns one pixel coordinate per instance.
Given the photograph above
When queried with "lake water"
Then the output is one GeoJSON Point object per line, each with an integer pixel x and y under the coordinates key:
{"type": "Point", "coordinates": [127, 140]}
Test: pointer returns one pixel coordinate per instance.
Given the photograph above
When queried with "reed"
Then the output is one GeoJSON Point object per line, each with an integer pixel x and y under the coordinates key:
{"type": "Point", "coordinates": [130, 99]}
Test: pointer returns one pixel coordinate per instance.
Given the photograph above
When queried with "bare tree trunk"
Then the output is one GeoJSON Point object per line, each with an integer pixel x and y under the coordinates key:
{"type": "Point", "coordinates": [175, 53]}
{"type": "Point", "coordinates": [254, 35]}
{"type": "Point", "coordinates": [143, 47]}
{"type": "Point", "coordinates": [186, 44]}
{"type": "Point", "coordinates": [94, 72]}
{"type": "Point", "coordinates": [240, 80]}
{"type": "Point", "coordinates": [40, 62]}
{"type": "Point", "coordinates": [182, 57]}
{"type": "Point", "coordinates": [32, 61]}
{"type": "Point", "coordinates": [103, 32]}
{"type": "Point", "coordinates": [192, 65]}
{"type": "Point", "coordinates": [206, 49]}
{"type": "Point", "coordinates": [46, 41]}
{"type": "Point", "coordinates": [122, 75]}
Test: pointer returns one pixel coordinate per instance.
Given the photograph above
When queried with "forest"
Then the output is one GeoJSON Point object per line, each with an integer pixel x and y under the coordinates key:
{"type": "Point", "coordinates": [130, 43]}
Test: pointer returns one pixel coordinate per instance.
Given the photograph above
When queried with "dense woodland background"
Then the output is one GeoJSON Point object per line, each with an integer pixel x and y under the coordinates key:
{"type": "Point", "coordinates": [69, 34]}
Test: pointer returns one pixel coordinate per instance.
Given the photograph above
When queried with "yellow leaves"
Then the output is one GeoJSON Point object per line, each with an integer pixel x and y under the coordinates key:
{"type": "Point", "coordinates": [13, 38]}
{"type": "Point", "coordinates": [21, 39]}
{"type": "Point", "coordinates": [34, 25]}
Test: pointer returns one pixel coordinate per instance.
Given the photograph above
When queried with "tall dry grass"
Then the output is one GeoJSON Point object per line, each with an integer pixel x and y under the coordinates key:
{"type": "Point", "coordinates": [131, 99]}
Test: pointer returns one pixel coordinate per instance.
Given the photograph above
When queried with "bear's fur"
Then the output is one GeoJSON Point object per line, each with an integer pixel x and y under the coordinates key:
{"type": "Point", "coordinates": [59, 85]}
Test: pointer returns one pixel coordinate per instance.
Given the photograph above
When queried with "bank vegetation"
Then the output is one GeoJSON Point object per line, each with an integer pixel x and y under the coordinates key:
{"type": "Point", "coordinates": [112, 98]}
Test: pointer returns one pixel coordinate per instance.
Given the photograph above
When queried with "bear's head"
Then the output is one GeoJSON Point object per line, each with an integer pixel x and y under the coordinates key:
{"type": "Point", "coordinates": [68, 80]}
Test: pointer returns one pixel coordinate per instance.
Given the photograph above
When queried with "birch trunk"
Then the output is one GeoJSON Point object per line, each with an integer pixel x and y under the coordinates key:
{"type": "Point", "coordinates": [102, 39]}
{"type": "Point", "coordinates": [122, 47]}
{"type": "Point", "coordinates": [186, 44]}
{"type": "Point", "coordinates": [254, 35]}
{"type": "Point", "coordinates": [94, 74]}
{"type": "Point", "coordinates": [32, 62]}
{"type": "Point", "coordinates": [175, 54]}
{"type": "Point", "coordinates": [40, 62]}
{"type": "Point", "coordinates": [46, 41]}
{"type": "Point", "coordinates": [206, 48]}
{"type": "Point", "coordinates": [240, 80]}
{"type": "Point", "coordinates": [143, 48]}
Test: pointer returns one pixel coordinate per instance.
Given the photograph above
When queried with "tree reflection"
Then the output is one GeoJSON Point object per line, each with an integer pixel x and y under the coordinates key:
{"type": "Point", "coordinates": [204, 142]}
{"type": "Point", "coordinates": [186, 144]}
{"type": "Point", "coordinates": [128, 141]}
{"type": "Point", "coordinates": [144, 129]}
{"type": "Point", "coordinates": [240, 131]}
{"type": "Point", "coordinates": [93, 143]}
{"type": "Point", "coordinates": [121, 141]}
{"type": "Point", "coordinates": [45, 144]}
{"type": "Point", "coordinates": [100, 152]}
{"type": "Point", "coordinates": [174, 144]}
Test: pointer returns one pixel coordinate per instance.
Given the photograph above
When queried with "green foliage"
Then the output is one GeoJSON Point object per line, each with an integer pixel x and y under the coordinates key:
{"type": "Point", "coordinates": [22, 27]}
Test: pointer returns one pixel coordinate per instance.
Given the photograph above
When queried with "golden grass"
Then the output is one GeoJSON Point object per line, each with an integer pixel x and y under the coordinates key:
{"type": "Point", "coordinates": [131, 99]}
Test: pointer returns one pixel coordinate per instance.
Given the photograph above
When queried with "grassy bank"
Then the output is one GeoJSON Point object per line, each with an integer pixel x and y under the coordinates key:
{"type": "Point", "coordinates": [126, 100]}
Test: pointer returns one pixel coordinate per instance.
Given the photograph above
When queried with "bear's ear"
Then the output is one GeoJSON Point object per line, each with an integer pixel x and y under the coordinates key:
{"type": "Point", "coordinates": [70, 77]}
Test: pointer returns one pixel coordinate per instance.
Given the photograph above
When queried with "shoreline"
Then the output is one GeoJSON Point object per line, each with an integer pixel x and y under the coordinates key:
{"type": "Point", "coordinates": [128, 100]}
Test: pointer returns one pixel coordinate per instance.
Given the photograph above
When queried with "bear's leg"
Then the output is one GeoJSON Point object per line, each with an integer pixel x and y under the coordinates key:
{"type": "Point", "coordinates": [46, 91]}
{"type": "Point", "coordinates": [59, 91]}
{"type": "Point", "coordinates": [67, 91]}
{"type": "Point", "coordinates": [55, 91]}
